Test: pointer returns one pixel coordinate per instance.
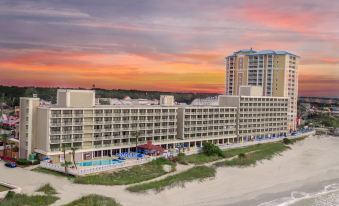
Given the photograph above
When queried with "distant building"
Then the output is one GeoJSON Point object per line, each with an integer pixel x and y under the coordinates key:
{"type": "Point", "coordinates": [209, 101]}
{"type": "Point", "coordinates": [335, 111]}
{"type": "Point", "coordinates": [166, 100]}
{"type": "Point", "coordinates": [126, 101]}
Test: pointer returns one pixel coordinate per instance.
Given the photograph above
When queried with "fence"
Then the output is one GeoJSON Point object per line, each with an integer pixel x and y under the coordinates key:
{"type": "Point", "coordinates": [95, 169]}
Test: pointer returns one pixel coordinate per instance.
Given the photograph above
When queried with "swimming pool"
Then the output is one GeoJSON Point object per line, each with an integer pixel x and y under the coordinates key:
{"type": "Point", "coordinates": [100, 162]}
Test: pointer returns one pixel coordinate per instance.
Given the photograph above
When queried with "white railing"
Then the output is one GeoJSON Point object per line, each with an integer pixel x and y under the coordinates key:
{"type": "Point", "coordinates": [58, 168]}
{"type": "Point", "coordinates": [95, 169]}
{"type": "Point", "coordinates": [102, 168]}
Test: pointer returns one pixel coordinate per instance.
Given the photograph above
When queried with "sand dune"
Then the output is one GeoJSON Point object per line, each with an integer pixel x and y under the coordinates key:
{"type": "Point", "coordinates": [308, 164]}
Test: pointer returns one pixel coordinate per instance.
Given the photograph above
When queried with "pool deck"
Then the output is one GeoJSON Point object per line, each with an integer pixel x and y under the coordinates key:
{"type": "Point", "coordinates": [86, 170]}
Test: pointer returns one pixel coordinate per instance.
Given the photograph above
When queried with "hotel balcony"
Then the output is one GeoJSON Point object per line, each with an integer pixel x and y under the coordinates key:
{"type": "Point", "coordinates": [55, 141]}
{"type": "Point", "coordinates": [55, 132]}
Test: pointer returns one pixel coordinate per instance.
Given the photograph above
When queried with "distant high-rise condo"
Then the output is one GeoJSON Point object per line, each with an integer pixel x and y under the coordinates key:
{"type": "Point", "coordinates": [275, 71]}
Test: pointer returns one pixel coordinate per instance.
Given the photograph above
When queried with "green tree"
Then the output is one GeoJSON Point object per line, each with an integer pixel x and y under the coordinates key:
{"type": "Point", "coordinates": [73, 157]}
{"type": "Point", "coordinates": [65, 161]}
{"type": "Point", "coordinates": [136, 135]}
{"type": "Point", "coordinates": [211, 149]}
{"type": "Point", "coordinates": [287, 141]}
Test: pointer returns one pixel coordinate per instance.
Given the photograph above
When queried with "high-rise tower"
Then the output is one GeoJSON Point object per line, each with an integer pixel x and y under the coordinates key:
{"type": "Point", "coordinates": [275, 71]}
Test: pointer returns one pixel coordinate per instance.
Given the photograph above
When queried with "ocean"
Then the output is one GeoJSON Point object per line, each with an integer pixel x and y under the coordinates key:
{"type": "Point", "coordinates": [327, 196]}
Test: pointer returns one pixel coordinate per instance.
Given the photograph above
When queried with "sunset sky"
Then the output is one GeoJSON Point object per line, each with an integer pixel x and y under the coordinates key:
{"type": "Point", "coordinates": [165, 45]}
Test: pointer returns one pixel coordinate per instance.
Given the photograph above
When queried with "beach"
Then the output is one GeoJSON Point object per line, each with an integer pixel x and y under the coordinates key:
{"type": "Point", "coordinates": [306, 169]}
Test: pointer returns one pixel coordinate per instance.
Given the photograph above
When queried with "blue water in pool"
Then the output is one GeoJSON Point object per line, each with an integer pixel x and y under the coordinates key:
{"type": "Point", "coordinates": [99, 162]}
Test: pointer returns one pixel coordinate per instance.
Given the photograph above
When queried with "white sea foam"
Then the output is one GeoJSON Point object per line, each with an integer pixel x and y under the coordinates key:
{"type": "Point", "coordinates": [328, 196]}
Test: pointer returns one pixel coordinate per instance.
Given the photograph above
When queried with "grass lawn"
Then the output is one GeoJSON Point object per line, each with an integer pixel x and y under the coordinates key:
{"type": "Point", "coordinates": [47, 189]}
{"type": "Point", "coordinates": [253, 154]}
{"type": "Point", "coordinates": [131, 175]}
{"type": "Point", "coordinates": [198, 159]}
{"type": "Point", "coordinates": [195, 173]}
{"type": "Point", "coordinates": [94, 200]}
{"type": "Point", "coordinates": [22, 199]}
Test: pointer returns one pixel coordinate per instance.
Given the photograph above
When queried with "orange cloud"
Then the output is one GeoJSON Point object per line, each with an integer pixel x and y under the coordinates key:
{"type": "Point", "coordinates": [278, 18]}
{"type": "Point", "coordinates": [124, 71]}
{"type": "Point", "coordinates": [194, 71]}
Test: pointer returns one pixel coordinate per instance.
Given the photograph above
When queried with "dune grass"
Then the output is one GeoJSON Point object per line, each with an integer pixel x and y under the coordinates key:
{"type": "Point", "coordinates": [197, 159]}
{"type": "Point", "coordinates": [94, 200]}
{"type": "Point", "coordinates": [201, 158]}
{"type": "Point", "coordinates": [4, 188]}
{"type": "Point", "coordinates": [195, 173]}
{"type": "Point", "coordinates": [254, 154]}
{"type": "Point", "coordinates": [131, 175]}
{"type": "Point", "coordinates": [47, 189]}
{"type": "Point", "coordinates": [13, 199]}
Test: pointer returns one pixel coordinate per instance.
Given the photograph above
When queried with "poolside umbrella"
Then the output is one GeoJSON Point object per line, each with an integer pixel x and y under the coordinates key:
{"type": "Point", "coordinates": [150, 148]}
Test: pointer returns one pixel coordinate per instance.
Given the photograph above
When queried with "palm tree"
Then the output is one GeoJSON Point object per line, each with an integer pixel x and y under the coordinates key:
{"type": "Point", "coordinates": [136, 135]}
{"type": "Point", "coordinates": [73, 156]}
{"type": "Point", "coordinates": [65, 162]}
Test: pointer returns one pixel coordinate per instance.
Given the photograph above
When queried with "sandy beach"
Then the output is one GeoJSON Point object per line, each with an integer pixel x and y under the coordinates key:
{"type": "Point", "coordinates": [309, 166]}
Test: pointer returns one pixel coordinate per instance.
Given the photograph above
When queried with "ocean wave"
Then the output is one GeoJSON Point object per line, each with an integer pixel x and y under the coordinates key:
{"type": "Point", "coordinates": [325, 197]}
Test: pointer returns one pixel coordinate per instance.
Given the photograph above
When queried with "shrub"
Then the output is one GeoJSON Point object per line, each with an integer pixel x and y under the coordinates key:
{"type": "Point", "coordinates": [94, 200]}
{"type": "Point", "coordinates": [23, 162]}
{"type": "Point", "coordinates": [210, 150]}
{"type": "Point", "coordinates": [242, 156]}
{"type": "Point", "coordinates": [9, 195]}
{"type": "Point", "coordinates": [287, 141]}
{"type": "Point", "coordinates": [47, 189]}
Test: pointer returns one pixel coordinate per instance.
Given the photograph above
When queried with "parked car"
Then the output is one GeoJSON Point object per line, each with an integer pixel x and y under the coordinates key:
{"type": "Point", "coordinates": [10, 164]}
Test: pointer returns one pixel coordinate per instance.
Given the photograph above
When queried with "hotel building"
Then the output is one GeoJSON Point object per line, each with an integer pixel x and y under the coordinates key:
{"type": "Point", "coordinates": [275, 71]}
{"type": "Point", "coordinates": [259, 117]}
{"type": "Point", "coordinates": [213, 123]}
{"type": "Point", "coordinates": [97, 131]}
{"type": "Point", "coordinates": [27, 126]}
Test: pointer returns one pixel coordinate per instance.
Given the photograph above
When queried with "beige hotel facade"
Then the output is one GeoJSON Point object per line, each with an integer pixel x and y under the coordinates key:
{"type": "Point", "coordinates": [275, 71]}
{"type": "Point", "coordinates": [98, 131]}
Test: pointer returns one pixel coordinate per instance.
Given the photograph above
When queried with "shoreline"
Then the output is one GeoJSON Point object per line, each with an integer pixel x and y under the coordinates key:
{"type": "Point", "coordinates": [269, 195]}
